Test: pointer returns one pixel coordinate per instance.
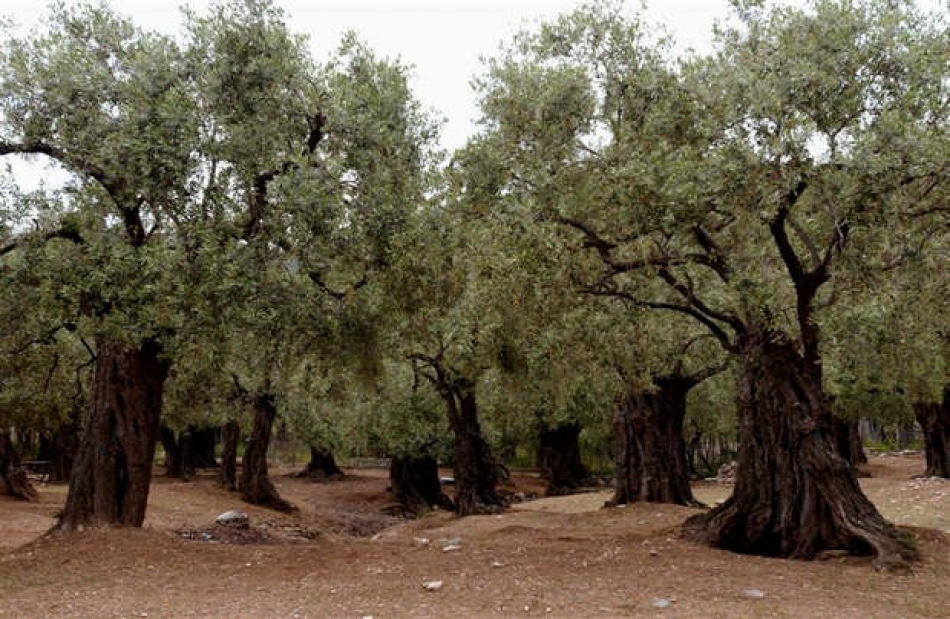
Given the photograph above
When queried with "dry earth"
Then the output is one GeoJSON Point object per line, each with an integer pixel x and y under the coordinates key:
{"type": "Point", "coordinates": [562, 557]}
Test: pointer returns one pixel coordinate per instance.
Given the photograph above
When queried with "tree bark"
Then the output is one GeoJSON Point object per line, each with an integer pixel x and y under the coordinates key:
{"type": "Point", "coordinates": [230, 436]}
{"type": "Point", "coordinates": [322, 465]}
{"type": "Point", "coordinates": [934, 420]}
{"type": "Point", "coordinates": [474, 466]}
{"type": "Point", "coordinates": [113, 469]}
{"type": "Point", "coordinates": [256, 486]}
{"type": "Point", "coordinates": [651, 450]}
{"type": "Point", "coordinates": [795, 496]}
{"type": "Point", "coordinates": [14, 477]}
{"type": "Point", "coordinates": [559, 458]}
{"type": "Point", "coordinates": [416, 485]}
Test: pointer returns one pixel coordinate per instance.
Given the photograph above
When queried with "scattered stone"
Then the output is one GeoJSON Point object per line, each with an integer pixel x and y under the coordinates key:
{"type": "Point", "coordinates": [234, 518]}
{"type": "Point", "coordinates": [432, 585]}
{"type": "Point", "coordinates": [451, 547]}
{"type": "Point", "coordinates": [661, 603]}
{"type": "Point", "coordinates": [654, 553]}
{"type": "Point", "coordinates": [497, 564]}
{"type": "Point", "coordinates": [421, 542]}
{"type": "Point", "coordinates": [753, 594]}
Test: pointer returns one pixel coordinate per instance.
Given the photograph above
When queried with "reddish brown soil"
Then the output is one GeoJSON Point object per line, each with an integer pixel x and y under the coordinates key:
{"type": "Point", "coordinates": [339, 557]}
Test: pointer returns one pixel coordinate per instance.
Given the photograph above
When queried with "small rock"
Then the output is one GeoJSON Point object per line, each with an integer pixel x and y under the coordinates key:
{"type": "Point", "coordinates": [420, 542]}
{"type": "Point", "coordinates": [497, 564]}
{"type": "Point", "coordinates": [654, 553]}
{"type": "Point", "coordinates": [753, 594]}
{"type": "Point", "coordinates": [452, 544]}
{"type": "Point", "coordinates": [661, 603]}
{"type": "Point", "coordinates": [432, 585]}
{"type": "Point", "coordinates": [234, 518]}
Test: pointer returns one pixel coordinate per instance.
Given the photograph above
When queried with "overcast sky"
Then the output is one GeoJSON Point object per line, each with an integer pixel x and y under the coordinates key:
{"type": "Point", "coordinates": [442, 39]}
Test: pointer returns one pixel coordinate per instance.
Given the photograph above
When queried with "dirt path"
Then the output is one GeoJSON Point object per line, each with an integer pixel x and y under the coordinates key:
{"type": "Point", "coordinates": [339, 557]}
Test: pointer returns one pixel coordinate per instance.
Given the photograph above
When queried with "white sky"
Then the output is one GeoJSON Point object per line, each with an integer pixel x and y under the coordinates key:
{"type": "Point", "coordinates": [442, 39]}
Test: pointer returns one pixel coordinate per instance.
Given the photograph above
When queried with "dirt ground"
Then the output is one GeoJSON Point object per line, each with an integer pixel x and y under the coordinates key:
{"type": "Point", "coordinates": [340, 557]}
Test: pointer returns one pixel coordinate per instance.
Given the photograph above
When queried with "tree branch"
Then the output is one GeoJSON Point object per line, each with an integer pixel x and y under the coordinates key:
{"type": "Point", "coordinates": [687, 293]}
{"type": "Point", "coordinates": [705, 320]}
{"type": "Point", "coordinates": [336, 294]}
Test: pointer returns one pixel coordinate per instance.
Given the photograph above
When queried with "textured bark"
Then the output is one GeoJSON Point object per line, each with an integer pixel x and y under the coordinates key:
{"type": "Point", "coordinates": [651, 450]}
{"type": "Point", "coordinates": [475, 474]}
{"type": "Point", "coordinates": [230, 435]}
{"type": "Point", "coordinates": [416, 485]}
{"type": "Point", "coordinates": [14, 478]}
{"type": "Point", "coordinates": [559, 458]}
{"type": "Point", "coordinates": [256, 486]}
{"type": "Point", "coordinates": [322, 465]}
{"type": "Point", "coordinates": [795, 496]}
{"type": "Point", "coordinates": [113, 469]}
{"type": "Point", "coordinates": [934, 420]}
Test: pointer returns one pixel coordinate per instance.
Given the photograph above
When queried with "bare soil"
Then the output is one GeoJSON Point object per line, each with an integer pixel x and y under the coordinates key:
{"type": "Point", "coordinates": [339, 556]}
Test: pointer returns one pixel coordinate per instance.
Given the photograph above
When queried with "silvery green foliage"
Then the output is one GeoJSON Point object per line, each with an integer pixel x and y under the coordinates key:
{"type": "Point", "coordinates": [669, 180]}
{"type": "Point", "coordinates": [227, 194]}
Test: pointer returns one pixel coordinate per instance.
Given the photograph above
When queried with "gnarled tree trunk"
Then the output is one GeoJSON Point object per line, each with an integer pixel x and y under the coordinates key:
{"type": "Point", "coordinates": [322, 465]}
{"type": "Point", "coordinates": [256, 486]}
{"type": "Point", "coordinates": [795, 496]}
{"type": "Point", "coordinates": [416, 485]}
{"type": "Point", "coordinates": [651, 450]}
{"type": "Point", "coordinates": [14, 478]}
{"type": "Point", "coordinates": [934, 420]}
{"type": "Point", "coordinates": [230, 435]}
{"type": "Point", "coordinates": [559, 458]}
{"type": "Point", "coordinates": [113, 469]}
{"type": "Point", "coordinates": [474, 466]}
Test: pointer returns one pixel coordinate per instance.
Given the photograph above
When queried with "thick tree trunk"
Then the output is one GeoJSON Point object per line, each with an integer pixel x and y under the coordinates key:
{"type": "Point", "coordinates": [174, 462]}
{"type": "Point", "coordinates": [795, 496]}
{"type": "Point", "coordinates": [934, 420]}
{"type": "Point", "coordinates": [559, 458]}
{"type": "Point", "coordinates": [475, 473]}
{"type": "Point", "coordinates": [256, 486]}
{"type": "Point", "coordinates": [14, 478]}
{"type": "Point", "coordinates": [651, 450]}
{"type": "Point", "coordinates": [230, 436]}
{"type": "Point", "coordinates": [113, 469]}
{"type": "Point", "coordinates": [416, 485]}
{"type": "Point", "coordinates": [322, 465]}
